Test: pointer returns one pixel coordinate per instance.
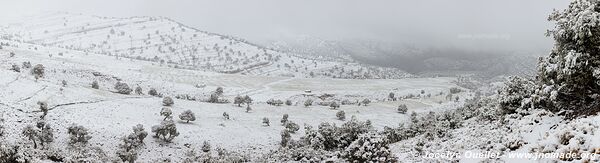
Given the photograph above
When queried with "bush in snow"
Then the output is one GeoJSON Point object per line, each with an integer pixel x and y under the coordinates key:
{"type": "Point", "coordinates": [402, 108]}
{"type": "Point", "coordinates": [265, 121]}
{"type": "Point", "coordinates": [78, 135]}
{"type": "Point", "coordinates": [455, 90]}
{"type": "Point", "coordinates": [138, 90]}
{"type": "Point", "coordinates": [369, 147]}
{"type": "Point", "coordinates": [15, 68]}
{"type": "Point", "coordinates": [285, 138]}
{"type": "Point", "coordinates": [122, 88]}
{"type": "Point", "coordinates": [284, 119]}
{"type": "Point", "coordinates": [288, 102]}
{"type": "Point", "coordinates": [44, 108]}
{"type": "Point", "coordinates": [568, 77]}
{"type": "Point", "coordinates": [139, 133]}
{"type": "Point", "coordinates": [152, 92]}
{"type": "Point", "coordinates": [187, 116]}
{"type": "Point", "coordinates": [38, 71]}
{"type": "Point", "coordinates": [292, 127]}
{"type": "Point", "coordinates": [166, 112]}
{"type": "Point", "coordinates": [31, 133]}
{"type": "Point", "coordinates": [248, 109]}
{"type": "Point", "coordinates": [219, 91]}
{"type": "Point", "coordinates": [64, 83]}
{"type": "Point", "coordinates": [308, 103]}
{"type": "Point", "coordinates": [167, 101]}
{"type": "Point", "coordinates": [392, 96]}
{"type": "Point", "coordinates": [26, 65]}
{"type": "Point", "coordinates": [334, 105]}
{"type": "Point", "coordinates": [205, 146]}
{"type": "Point", "coordinates": [341, 115]}
{"type": "Point", "coordinates": [238, 100]}
{"type": "Point", "coordinates": [166, 131]}
{"type": "Point", "coordinates": [365, 102]}
{"type": "Point", "coordinates": [95, 85]}
{"type": "Point", "coordinates": [127, 150]}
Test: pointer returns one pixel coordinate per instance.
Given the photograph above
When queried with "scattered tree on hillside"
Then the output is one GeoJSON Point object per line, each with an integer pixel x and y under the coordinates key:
{"type": "Point", "coordinates": [402, 109]}
{"type": "Point", "coordinates": [122, 88]}
{"type": "Point", "coordinates": [288, 102]}
{"type": "Point", "coordinates": [284, 119]}
{"type": "Point", "coordinates": [225, 116]}
{"type": "Point", "coordinates": [16, 68]}
{"type": "Point", "coordinates": [152, 92]}
{"type": "Point", "coordinates": [286, 137]}
{"type": "Point", "coordinates": [392, 96]}
{"type": "Point", "coordinates": [26, 65]}
{"type": "Point", "coordinates": [165, 111]}
{"type": "Point", "coordinates": [38, 71]}
{"type": "Point", "coordinates": [138, 90]}
{"type": "Point", "coordinates": [341, 115]}
{"type": "Point", "coordinates": [187, 116]}
{"type": "Point", "coordinates": [334, 105]}
{"type": "Point", "coordinates": [166, 129]}
{"type": "Point", "coordinates": [168, 101]}
{"type": "Point", "coordinates": [95, 85]}
{"type": "Point", "coordinates": [44, 108]}
{"type": "Point", "coordinates": [308, 103]}
{"type": "Point", "coordinates": [292, 127]}
{"type": "Point", "coordinates": [365, 102]}
{"type": "Point", "coordinates": [206, 146]}
{"type": "Point", "coordinates": [78, 135]}
{"type": "Point", "coordinates": [31, 133]}
{"type": "Point", "coordinates": [219, 91]}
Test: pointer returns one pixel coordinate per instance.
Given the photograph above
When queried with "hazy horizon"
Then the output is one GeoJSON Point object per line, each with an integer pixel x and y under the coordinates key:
{"type": "Point", "coordinates": [469, 24]}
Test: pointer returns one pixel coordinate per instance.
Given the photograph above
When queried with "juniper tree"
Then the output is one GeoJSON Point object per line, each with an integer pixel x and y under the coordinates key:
{"type": "Point", "coordinates": [165, 111]}
{"type": "Point", "coordinates": [238, 100]}
{"type": "Point", "coordinates": [122, 88]}
{"type": "Point", "coordinates": [334, 105]}
{"type": "Point", "coordinates": [167, 101]}
{"type": "Point", "coordinates": [26, 65]}
{"type": "Point", "coordinates": [248, 109]}
{"type": "Point", "coordinates": [166, 131]}
{"type": "Point", "coordinates": [284, 119]}
{"type": "Point", "coordinates": [392, 96]}
{"type": "Point", "coordinates": [292, 127]}
{"type": "Point", "coordinates": [286, 137]}
{"type": "Point", "coordinates": [46, 135]}
{"type": "Point", "coordinates": [152, 92]}
{"type": "Point", "coordinates": [247, 100]}
{"type": "Point", "coordinates": [308, 103]}
{"type": "Point", "coordinates": [187, 116]}
{"type": "Point", "coordinates": [15, 68]}
{"type": "Point", "coordinates": [366, 102]}
{"type": "Point", "coordinates": [341, 115]}
{"type": "Point", "coordinates": [78, 135]}
{"type": "Point", "coordinates": [127, 149]}
{"type": "Point", "coordinates": [205, 146]}
{"type": "Point", "coordinates": [64, 83]}
{"type": "Point", "coordinates": [288, 102]}
{"type": "Point", "coordinates": [95, 85]}
{"type": "Point", "coordinates": [219, 91]}
{"type": "Point", "coordinates": [38, 71]}
{"type": "Point", "coordinates": [138, 90]}
{"type": "Point", "coordinates": [402, 108]}
{"type": "Point", "coordinates": [139, 133]}
{"type": "Point", "coordinates": [44, 108]}
{"type": "Point", "coordinates": [31, 133]}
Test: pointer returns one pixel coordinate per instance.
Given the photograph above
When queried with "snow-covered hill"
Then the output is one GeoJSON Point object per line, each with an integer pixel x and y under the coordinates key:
{"type": "Point", "coordinates": [165, 41]}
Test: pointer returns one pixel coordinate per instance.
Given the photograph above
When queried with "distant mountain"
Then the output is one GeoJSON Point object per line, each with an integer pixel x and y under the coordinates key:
{"type": "Point", "coordinates": [165, 41]}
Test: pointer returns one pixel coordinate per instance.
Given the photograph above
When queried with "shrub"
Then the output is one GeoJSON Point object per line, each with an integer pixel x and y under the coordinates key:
{"type": "Point", "coordinates": [288, 102]}
{"type": "Point", "coordinates": [166, 112]}
{"type": "Point", "coordinates": [369, 147]}
{"type": "Point", "coordinates": [334, 105]}
{"type": "Point", "coordinates": [292, 127]}
{"type": "Point", "coordinates": [166, 129]}
{"type": "Point", "coordinates": [265, 121]}
{"type": "Point", "coordinates": [402, 108]}
{"type": "Point", "coordinates": [38, 71]}
{"type": "Point", "coordinates": [341, 115]}
{"type": "Point", "coordinates": [95, 85]}
{"type": "Point", "coordinates": [455, 90]}
{"type": "Point", "coordinates": [138, 90]}
{"type": "Point", "coordinates": [205, 146]}
{"type": "Point", "coordinates": [308, 103]}
{"type": "Point", "coordinates": [168, 101]}
{"type": "Point", "coordinates": [284, 119]}
{"type": "Point", "coordinates": [152, 92]}
{"type": "Point", "coordinates": [187, 116]}
{"type": "Point", "coordinates": [122, 88]}
{"type": "Point", "coordinates": [15, 68]}
{"type": "Point", "coordinates": [225, 116]}
{"type": "Point", "coordinates": [78, 135]}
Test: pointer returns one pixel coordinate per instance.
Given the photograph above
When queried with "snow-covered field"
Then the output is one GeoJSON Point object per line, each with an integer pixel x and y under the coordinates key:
{"type": "Point", "coordinates": [109, 115]}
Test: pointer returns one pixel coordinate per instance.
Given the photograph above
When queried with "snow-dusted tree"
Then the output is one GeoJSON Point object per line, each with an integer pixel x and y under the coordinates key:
{"type": "Point", "coordinates": [214, 98]}
{"type": "Point", "coordinates": [341, 115]}
{"type": "Point", "coordinates": [238, 100]}
{"type": "Point", "coordinates": [138, 90]}
{"type": "Point", "coordinates": [569, 76]}
{"type": "Point", "coordinates": [402, 108]}
{"type": "Point", "coordinates": [44, 108]}
{"type": "Point", "coordinates": [64, 83]}
{"type": "Point", "coordinates": [288, 102]}
{"type": "Point", "coordinates": [392, 96]}
{"type": "Point", "coordinates": [166, 129]}
{"type": "Point", "coordinates": [265, 121]}
{"type": "Point", "coordinates": [277, 102]}
{"type": "Point", "coordinates": [225, 116]}
{"type": "Point", "coordinates": [284, 119]}
{"type": "Point", "coordinates": [16, 68]}
{"type": "Point", "coordinates": [139, 132]}
{"type": "Point", "coordinates": [308, 103]}
{"type": "Point", "coordinates": [165, 111]}
{"type": "Point", "coordinates": [187, 116]}
{"type": "Point", "coordinates": [292, 127]}
{"type": "Point", "coordinates": [248, 109]}
{"type": "Point", "coordinates": [365, 102]}
{"type": "Point", "coordinates": [38, 71]}
{"type": "Point", "coordinates": [127, 149]}
{"type": "Point", "coordinates": [247, 100]}
{"type": "Point", "coordinates": [95, 85]}
{"type": "Point", "coordinates": [205, 146]}
{"type": "Point", "coordinates": [168, 101]}
{"type": "Point", "coordinates": [152, 92]}
{"type": "Point", "coordinates": [78, 135]}
{"type": "Point", "coordinates": [122, 88]}
{"type": "Point", "coordinates": [369, 147]}
{"type": "Point", "coordinates": [46, 135]}
{"type": "Point", "coordinates": [286, 137]}
{"type": "Point", "coordinates": [31, 133]}
{"type": "Point", "coordinates": [26, 65]}
{"type": "Point", "coordinates": [334, 105]}
{"type": "Point", "coordinates": [219, 91]}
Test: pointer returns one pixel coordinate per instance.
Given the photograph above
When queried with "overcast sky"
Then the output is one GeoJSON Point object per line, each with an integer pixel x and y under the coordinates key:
{"type": "Point", "coordinates": [487, 24]}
